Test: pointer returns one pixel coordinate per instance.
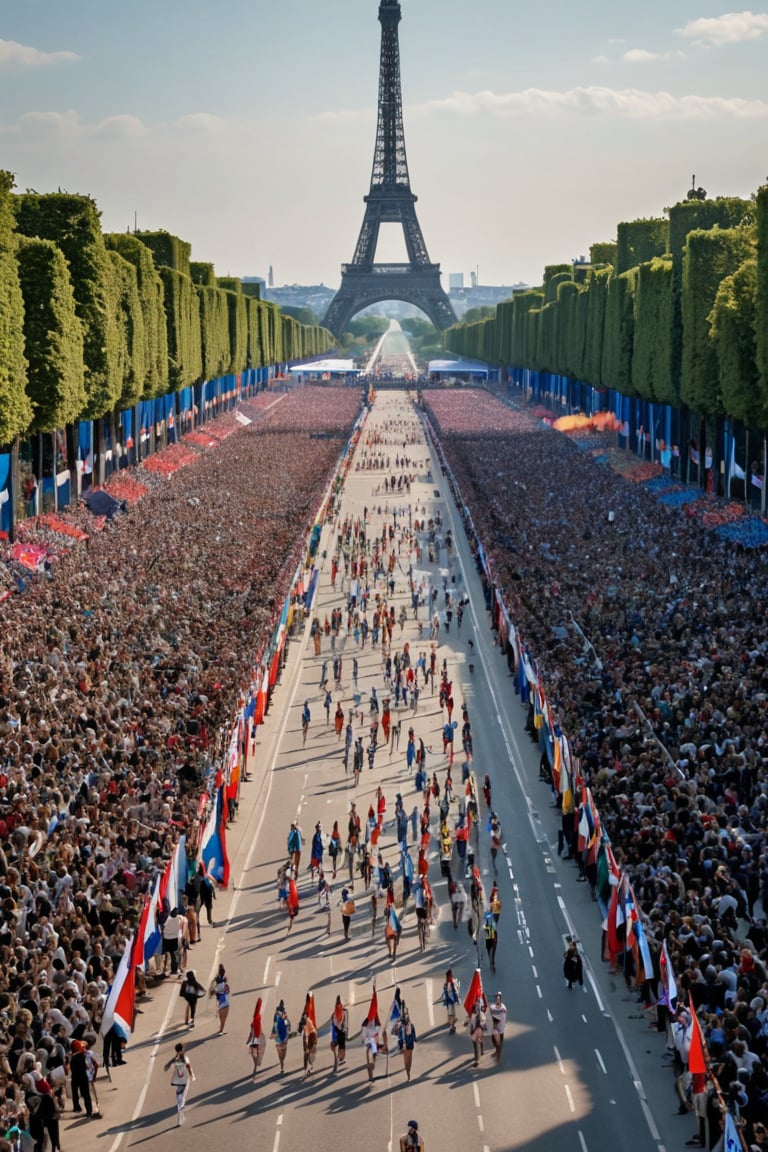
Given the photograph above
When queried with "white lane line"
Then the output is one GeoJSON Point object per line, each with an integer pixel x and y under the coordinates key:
{"type": "Point", "coordinates": [480, 1122]}
{"type": "Point", "coordinates": [430, 1005]}
{"type": "Point", "coordinates": [571, 1102]}
{"type": "Point", "coordinates": [535, 973]}
{"type": "Point", "coordinates": [550, 1017]}
{"type": "Point", "coordinates": [600, 1061]}
{"type": "Point", "coordinates": [559, 1061]}
{"type": "Point", "coordinates": [530, 952]}
{"type": "Point", "coordinates": [278, 977]}
{"type": "Point", "coordinates": [266, 969]}
{"type": "Point", "coordinates": [276, 1144]}
{"type": "Point", "coordinates": [476, 1092]}
{"type": "Point", "coordinates": [351, 997]}
{"type": "Point", "coordinates": [584, 1018]}
{"type": "Point", "coordinates": [583, 1142]}
{"type": "Point", "coordinates": [539, 992]}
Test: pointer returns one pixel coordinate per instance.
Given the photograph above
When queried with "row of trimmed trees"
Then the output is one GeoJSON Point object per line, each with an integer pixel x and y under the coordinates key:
{"type": "Point", "coordinates": [674, 311]}
{"type": "Point", "coordinates": [91, 323]}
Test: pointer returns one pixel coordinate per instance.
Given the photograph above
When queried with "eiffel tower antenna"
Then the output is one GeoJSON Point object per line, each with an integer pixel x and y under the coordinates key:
{"type": "Point", "coordinates": [389, 201]}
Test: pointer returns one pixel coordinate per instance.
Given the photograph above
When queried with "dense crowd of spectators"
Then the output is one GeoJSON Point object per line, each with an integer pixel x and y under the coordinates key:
{"type": "Point", "coordinates": [122, 664]}
{"type": "Point", "coordinates": [650, 637]}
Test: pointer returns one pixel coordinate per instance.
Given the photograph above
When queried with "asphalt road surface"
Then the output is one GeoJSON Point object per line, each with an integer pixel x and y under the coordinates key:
{"type": "Point", "coordinates": [580, 1069]}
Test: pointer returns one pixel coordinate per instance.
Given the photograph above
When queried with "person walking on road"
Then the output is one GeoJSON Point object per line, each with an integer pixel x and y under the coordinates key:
{"type": "Point", "coordinates": [316, 851]}
{"type": "Point", "coordinates": [477, 1030]}
{"type": "Point", "coordinates": [334, 847]}
{"type": "Point", "coordinates": [339, 1033]}
{"type": "Point", "coordinates": [451, 998]}
{"type": "Point", "coordinates": [220, 989]}
{"type": "Point", "coordinates": [281, 1029]}
{"type": "Point", "coordinates": [191, 991]}
{"type": "Point", "coordinates": [491, 938]}
{"type": "Point", "coordinates": [257, 1041]}
{"type": "Point", "coordinates": [573, 967]}
{"type": "Point", "coordinates": [412, 1141]}
{"type": "Point", "coordinates": [306, 716]}
{"type": "Point", "coordinates": [347, 911]}
{"type": "Point", "coordinates": [294, 846]}
{"type": "Point", "coordinates": [406, 1042]}
{"type": "Point", "coordinates": [181, 1077]}
{"type": "Point", "coordinates": [371, 1040]}
{"type": "Point", "coordinates": [498, 1013]}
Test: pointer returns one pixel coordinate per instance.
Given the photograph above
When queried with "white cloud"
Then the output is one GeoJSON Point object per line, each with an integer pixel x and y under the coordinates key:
{"type": "Point", "coordinates": [123, 125]}
{"type": "Point", "coordinates": [643, 56]}
{"type": "Point", "coordinates": [632, 103]}
{"type": "Point", "coordinates": [202, 121]}
{"type": "Point", "coordinates": [730, 28]}
{"type": "Point", "coordinates": [600, 60]}
{"type": "Point", "coordinates": [26, 56]}
{"type": "Point", "coordinates": [69, 124]}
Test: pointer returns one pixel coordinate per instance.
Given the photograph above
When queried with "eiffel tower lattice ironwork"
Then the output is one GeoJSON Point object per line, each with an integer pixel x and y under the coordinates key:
{"type": "Point", "coordinates": [390, 200]}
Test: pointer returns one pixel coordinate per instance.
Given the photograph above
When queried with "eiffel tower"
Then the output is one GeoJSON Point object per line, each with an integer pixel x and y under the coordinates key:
{"type": "Point", "coordinates": [390, 200]}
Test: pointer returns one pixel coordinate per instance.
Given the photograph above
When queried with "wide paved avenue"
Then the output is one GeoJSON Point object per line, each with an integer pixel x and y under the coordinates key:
{"type": "Point", "coordinates": [578, 1069]}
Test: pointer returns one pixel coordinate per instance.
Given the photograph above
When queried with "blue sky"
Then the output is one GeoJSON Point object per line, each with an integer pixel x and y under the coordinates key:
{"type": "Point", "coordinates": [247, 126]}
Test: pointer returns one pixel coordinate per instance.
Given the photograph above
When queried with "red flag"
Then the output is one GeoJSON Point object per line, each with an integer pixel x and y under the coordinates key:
{"type": "Point", "coordinates": [697, 1065]}
{"type": "Point", "coordinates": [373, 1010]}
{"type": "Point", "coordinates": [293, 897]}
{"type": "Point", "coordinates": [309, 1008]}
{"type": "Point", "coordinates": [475, 993]}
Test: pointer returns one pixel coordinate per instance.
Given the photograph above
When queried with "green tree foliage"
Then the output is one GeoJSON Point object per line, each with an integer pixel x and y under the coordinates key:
{"type": "Point", "coordinates": [214, 331]}
{"type": "Point", "coordinates": [652, 357]}
{"type": "Point", "coordinates": [482, 312]}
{"type": "Point", "coordinates": [701, 215]}
{"type": "Point", "coordinates": [151, 298]}
{"type": "Point", "coordinates": [53, 336]}
{"type": "Point", "coordinates": [230, 284]}
{"type": "Point", "coordinates": [619, 332]}
{"type": "Point", "coordinates": [131, 341]}
{"type": "Point", "coordinates": [552, 282]}
{"type": "Point", "coordinates": [238, 330]}
{"type": "Point", "coordinates": [202, 274]}
{"type": "Point", "coordinates": [522, 347]}
{"type": "Point", "coordinates": [596, 299]}
{"type": "Point", "coordinates": [604, 252]}
{"type": "Point", "coordinates": [73, 222]}
{"type": "Point", "coordinates": [182, 318]}
{"type": "Point", "coordinates": [708, 258]}
{"type": "Point", "coordinates": [732, 330]}
{"type": "Point", "coordinates": [168, 251]}
{"type": "Point", "coordinates": [15, 404]}
{"type": "Point", "coordinates": [761, 296]}
{"type": "Point", "coordinates": [638, 241]}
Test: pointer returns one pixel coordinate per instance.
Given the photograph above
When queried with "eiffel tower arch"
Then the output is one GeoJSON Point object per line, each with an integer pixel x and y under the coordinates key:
{"type": "Point", "coordinates": [389, 201]}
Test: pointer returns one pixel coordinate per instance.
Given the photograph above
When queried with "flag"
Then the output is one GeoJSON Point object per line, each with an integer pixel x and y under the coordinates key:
{"type": "Point", "coordinates": [394, 927]}
{"type": "Point", "coordinates": [616, 923]}
{"type": "Point", "coordinates": [668, 981]}
{"type": "Point", "coordinates": [141, 931]}
{"type": "Point", "coordinates": [395, 1017]}
{"type": "Point", "coordinates": [121, 998]}
{"type": "Point", "coordinates": [309, 1009]}
{"type": "Point", "coordinates": [293, 897]}
{"type": "Point", "coordinates": [153, 937]}
{"type": "Point", "coordinates": [475, 993]}
{"type": "Point", "coordinates": [732, 1139]}
{"type": "Point", "coordinates": [697, 1065]}
{"type": "Point", "coordinates": [174, 879]}
{"type": "Point", "coordinates": [373, 1010]}
{"type": "Point", "coordinates": [755, 480]}
{"type": "Point", "coordinates": [213, 843]}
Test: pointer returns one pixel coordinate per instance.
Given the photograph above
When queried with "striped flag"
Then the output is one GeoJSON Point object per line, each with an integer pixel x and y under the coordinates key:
{"type": "Point", "coordinates": [668, 981]}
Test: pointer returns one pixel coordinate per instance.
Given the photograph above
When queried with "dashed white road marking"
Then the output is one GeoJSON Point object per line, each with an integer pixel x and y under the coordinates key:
{"type": "Point", "coordinates": [559, 1060]}
{"type": "Point", "coordinates": [476, 1093]}
{"type": "Point", "coordinates": [600, 1061]}
{"type": "Point", "coordinates": [571, 1102]}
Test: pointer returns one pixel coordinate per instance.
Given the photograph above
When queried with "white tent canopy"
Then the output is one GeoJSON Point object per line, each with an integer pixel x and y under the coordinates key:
{"type": "Point", "coordinates": [317, 367]}
{"type": "Point", "coordinates": [457, 368]}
